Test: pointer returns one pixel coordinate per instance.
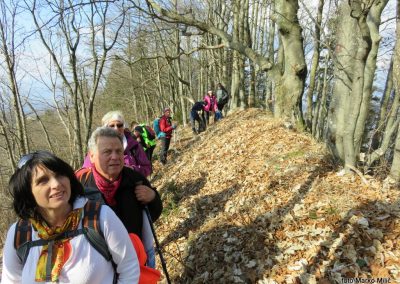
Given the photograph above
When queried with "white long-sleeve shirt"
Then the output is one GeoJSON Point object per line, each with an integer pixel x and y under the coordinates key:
{"type": "Point", "coordinates": [85, 265]}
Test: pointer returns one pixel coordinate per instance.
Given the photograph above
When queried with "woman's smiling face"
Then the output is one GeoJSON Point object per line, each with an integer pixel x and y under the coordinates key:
{"type": "Point", "coordinates": [51, 191]}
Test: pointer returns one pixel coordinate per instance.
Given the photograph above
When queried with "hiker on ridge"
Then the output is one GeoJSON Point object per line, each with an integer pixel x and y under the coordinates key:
{"type": "Point", "coordinates": [145, 135]}
{"type": "Point", "coordinates": [47, 194]}
{"type": "Point", "coordinates": [211, 105]}
{"type": "Point", "coordinates": [222, 97]}
{"type": "Point", "coordinates": [134, 155]}
{"type": "Point", "coordinates": [194, 116]}
{"type": "Point", "coordinates": [126, 191]}
{"type": "Point", "coordinates": [166, 127]}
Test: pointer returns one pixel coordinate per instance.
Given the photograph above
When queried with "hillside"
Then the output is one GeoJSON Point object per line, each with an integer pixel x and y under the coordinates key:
{"type": "Point", "coordinates": [250, 201]}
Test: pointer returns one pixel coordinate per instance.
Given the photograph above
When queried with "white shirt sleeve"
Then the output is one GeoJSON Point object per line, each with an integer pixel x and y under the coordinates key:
{"type": "Point", "coordinates": [120, 246]}
{"type": "Point", "coordinates": [12, 267]}
{"type": "Point", "coordinates": [85, 260]}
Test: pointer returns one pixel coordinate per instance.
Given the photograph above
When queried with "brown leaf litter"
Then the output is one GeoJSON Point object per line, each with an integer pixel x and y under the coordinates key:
{"type": "Point", "coordinates": [249, 201]}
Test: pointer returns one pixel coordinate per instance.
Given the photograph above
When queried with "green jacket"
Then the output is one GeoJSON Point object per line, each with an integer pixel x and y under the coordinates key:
{"type": "Point", "coordinates": [149, 142]}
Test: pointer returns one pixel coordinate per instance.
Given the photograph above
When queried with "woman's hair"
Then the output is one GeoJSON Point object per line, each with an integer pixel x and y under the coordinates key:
{"type": "Point", "coordinates": [133, 124]}
{"type": "Point", "coordinates": [20, 188]}
{"type": "Point", "coordinates": [102, 132]}
{"type": "Point", "coordinates": [221, 87]}
{"type": "Point", "coordinates": [112, 115]}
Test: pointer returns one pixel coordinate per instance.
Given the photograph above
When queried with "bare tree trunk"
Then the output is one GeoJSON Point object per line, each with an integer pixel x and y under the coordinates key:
{"type": "Point", "coordinates": [160, 86]}
{"type": "Point", "coordinates": [265, 11]}
{"type": "Point", "coordinates": [132, 90]}
{"type": "Point", "coordinates": [319, 120]}
{"type": "Point", "coordinates": [317, 107]}
{"type": "Point", "coordinates": [382, 121]}
{"type": "Point", "coordinates": [8, 142]}
{"type": "Point", "coordinates": [64, 117]}
{"type": "Point", "coordinates": [190, 72]}
{"type": "Point", "coordinates": [344, 53]}
{"type": "Point", "coordinates": [202, 81]}
{"type": "Point", "coordinates": [180, 75]}
{"type": "Point", "coordinates": [353, 109]}
{"type": "Point", "coordinates": [235, 86]}
{"type": "Point", "coordinates": [395, 169]}
{"type": "Point", "coordinates": [314, 64]}
{"type": "Point", "coordinates": [46, 133]}
{"type": "Point", "coordinates": [9, 51]}
{"type": "Point", "coordinates": [252, 43]}
{"type": "Point", "coordinates": [323, 115]}
{"type": "Point", "coordinates": [290, 83]}
{"type": "Point", "coordinates": [244, 37]}
{"type": "Point", "coordinates": [269, 97]}
{"type": "Point", "coordinates": [373, 22]}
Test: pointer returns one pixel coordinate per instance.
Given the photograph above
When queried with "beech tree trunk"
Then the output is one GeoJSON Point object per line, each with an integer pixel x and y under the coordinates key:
{"type": "Point", "coordinates": [395, 169]}
{"type": "Point", "coordinates": [314, 65]}
{"type": "Point", "coordinates": [289, 85]}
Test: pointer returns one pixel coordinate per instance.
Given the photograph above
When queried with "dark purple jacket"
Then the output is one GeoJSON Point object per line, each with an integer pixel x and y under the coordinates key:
{"type": "Point", "coordinates": [134, 157]}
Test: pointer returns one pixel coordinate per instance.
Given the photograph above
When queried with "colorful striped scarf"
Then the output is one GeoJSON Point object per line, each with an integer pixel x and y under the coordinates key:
{"type": "Point", "coordinates": [60, 249]}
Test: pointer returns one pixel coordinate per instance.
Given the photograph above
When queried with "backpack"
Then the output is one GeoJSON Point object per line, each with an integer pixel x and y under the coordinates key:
{"type": "Point", "coordinates": [156, 127]}
{"type": "Point", "coordinates": [151, 135]}
{"type": "Point", "coordinates": [90, 229]}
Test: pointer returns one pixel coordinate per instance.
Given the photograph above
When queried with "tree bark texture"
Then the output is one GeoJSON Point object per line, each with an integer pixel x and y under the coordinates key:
{"type": "Point", "coordinates": [395, 169]}
{"type": "Point", "coordinates": [314, 65]}
{"type": "Point", "coordinates": [343, 74]}
{"type": "Point", "coordinates": [290, 84]}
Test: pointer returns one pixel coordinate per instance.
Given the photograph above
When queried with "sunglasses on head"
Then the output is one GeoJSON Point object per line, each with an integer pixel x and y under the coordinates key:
{"type": "Point", "coordinates": [27, 157]}
{"type": "Point", "coordinates": [118, 125]}
{"type": "Point", "coordinates": [24, 159]}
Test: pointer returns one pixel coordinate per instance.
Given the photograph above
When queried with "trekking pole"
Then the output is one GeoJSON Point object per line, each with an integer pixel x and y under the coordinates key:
{"type": "Point", "coordinates": [163, 264]}
{"type": "Point", "coordinates": [153, 231]}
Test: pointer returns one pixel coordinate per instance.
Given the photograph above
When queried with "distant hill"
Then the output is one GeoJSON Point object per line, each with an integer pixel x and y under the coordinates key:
{"type": "Point", "coordinates": [249, 201]}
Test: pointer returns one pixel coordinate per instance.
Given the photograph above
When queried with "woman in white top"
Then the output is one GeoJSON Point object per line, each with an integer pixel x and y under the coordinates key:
{"type": "Point", "coordinates": [46, 192]}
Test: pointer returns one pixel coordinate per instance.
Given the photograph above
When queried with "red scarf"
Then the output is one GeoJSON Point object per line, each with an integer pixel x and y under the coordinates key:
{"type": "Point", "coordinates": [107, 187]}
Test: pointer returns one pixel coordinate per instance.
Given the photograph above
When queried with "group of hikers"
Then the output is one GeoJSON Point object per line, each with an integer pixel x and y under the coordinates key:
{"type": "Point", "coordinates": [212, 104]}
{"type": "Point", "coordinates": [65, 234]}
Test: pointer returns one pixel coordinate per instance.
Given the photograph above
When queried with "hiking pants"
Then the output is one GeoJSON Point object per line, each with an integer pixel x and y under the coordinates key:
{"type": "Point", "coordinates": [220, 106]}
{"type": "Point", "coordinates": [164, 149]}
{"type": "Point", "coordinates": [207, 117]}
{"type": "Point", "coordinates": [194, 116]}
{"type": "Point", "coordinates": [149, 152]}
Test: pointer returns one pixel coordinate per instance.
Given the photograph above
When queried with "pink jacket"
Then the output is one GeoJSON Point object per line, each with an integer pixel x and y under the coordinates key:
{"type": "Point", "coordinates": [211, 103]}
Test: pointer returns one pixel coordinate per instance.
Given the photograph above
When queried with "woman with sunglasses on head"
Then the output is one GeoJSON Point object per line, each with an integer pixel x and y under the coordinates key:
{"type": "Point", "coordinates": [134, 155]}
{"type": "Point", "coordinates": [48, 196]}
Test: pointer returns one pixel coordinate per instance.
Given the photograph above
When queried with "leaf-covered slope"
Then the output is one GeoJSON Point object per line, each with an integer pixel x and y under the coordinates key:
{"type": "Point", "coordinates": [250, 201]}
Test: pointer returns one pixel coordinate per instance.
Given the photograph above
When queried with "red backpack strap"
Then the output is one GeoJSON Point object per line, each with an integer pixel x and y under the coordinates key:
{"type": "Point", "coordinates": [22, 238]}
{"type": "Point", "coordinates": [83, 174]}
{"type": "Point", "coordinates": [92, 231]}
